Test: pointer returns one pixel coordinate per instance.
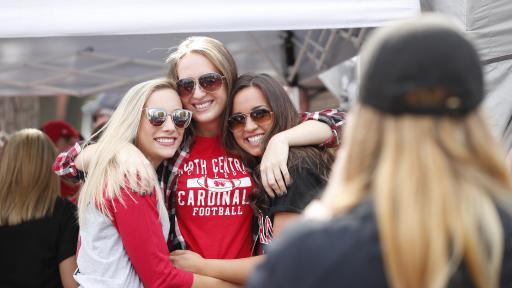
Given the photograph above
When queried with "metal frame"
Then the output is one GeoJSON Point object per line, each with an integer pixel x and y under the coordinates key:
{"type": "Point", "coordinates": [316, 49]}
{"type": "Point", "coordinates": [107, 79]}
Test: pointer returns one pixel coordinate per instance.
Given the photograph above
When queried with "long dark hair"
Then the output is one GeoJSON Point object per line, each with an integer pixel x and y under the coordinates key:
{"type": "Point", "coordinates": [285, 117]}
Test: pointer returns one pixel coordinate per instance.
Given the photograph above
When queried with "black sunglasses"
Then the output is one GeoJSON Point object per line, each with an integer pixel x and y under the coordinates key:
{"type": "Point", "coordinates": [209, 82]}
{"type": "Point", "coordinates": [260, 116]}
{"type": "Point", "coordinates": [180, 117]}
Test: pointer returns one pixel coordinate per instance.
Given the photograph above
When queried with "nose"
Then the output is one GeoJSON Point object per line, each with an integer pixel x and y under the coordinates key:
{"type": "Point", "coordinates": [250, 125]}
{"type": "Point", "coordinates": [168, 125]}
{"type": "Point", "coordinates": [199, 92]}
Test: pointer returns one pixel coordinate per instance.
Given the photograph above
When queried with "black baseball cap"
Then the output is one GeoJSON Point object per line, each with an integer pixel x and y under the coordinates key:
{"type": "Point", "coordinates": [422, 66]}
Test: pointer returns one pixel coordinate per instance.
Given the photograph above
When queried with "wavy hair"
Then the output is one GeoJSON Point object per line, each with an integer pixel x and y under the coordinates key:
{"type": "Point", "coordinates": [436, 183]}
{"type": "Point", "coordinates": [28, 186]}
{"type": "Point", "coordinates": [285, 117]}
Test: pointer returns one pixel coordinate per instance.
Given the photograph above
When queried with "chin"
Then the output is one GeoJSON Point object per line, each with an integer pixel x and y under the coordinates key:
{"type": "Point", "coordinates": [167, 154]}
{"type": "Point", "coordinates": [207, 116]}
{"type": "Point", "coordinates": [255, 152]}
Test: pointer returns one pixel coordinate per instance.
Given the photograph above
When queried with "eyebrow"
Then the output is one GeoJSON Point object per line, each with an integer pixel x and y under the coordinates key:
{"type": "Point", "coordinates": [254, 108]}
{"type": "Point", "coordinates": [261, 106]}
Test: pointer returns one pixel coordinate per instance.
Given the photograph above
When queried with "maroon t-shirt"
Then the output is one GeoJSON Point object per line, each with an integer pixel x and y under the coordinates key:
{"type": "Point", "coordinates": [212, 209]}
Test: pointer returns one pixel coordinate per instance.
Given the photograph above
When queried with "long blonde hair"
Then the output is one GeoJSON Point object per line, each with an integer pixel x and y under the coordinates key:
{"type": "Point", "coordinates": [28, 186]}
{"type": "Point", "coordinates": [106, 177]}
{"type": "Point", "coordinates": [435, 183]}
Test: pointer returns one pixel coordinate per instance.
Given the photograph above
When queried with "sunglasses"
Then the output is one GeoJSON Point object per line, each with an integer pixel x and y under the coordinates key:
{"type": "Point", "coordinates": [260, 116]}
{"type": "Point", "coordinates": [209, 82]}
{"type": "Point", "coordinates": [180, 117]}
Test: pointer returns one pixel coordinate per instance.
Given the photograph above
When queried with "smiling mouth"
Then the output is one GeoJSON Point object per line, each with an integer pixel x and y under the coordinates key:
{"type": "Point", "coordinates": [167, 141]}
{"type": "Point", "coordinates": [255, 140]}
{"type": "Point", "coordinates": [203, 106]}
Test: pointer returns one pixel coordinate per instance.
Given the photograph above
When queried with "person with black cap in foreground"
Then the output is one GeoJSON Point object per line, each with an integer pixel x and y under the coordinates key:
{"type": "Point", "coordinates": [420, 195]}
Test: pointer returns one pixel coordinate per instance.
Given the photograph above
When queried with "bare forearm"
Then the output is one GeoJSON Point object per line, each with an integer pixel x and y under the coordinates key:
{"type": "Point", "coordinates": [201, 281]}
{"type": "Point", "coordinates": [306, 133]}
{"type": "Point", "coordinates": [232, 270]}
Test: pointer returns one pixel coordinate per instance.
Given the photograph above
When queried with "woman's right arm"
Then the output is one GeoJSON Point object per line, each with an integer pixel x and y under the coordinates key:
{"type": "Point", "coordinates": [231, 270]}
{"type": "Point", "coordinates": [65, 166]}
{"type": "Point", "coordinates": [74, 163]}
{"type": "Point", "coordinates": [140, 229]}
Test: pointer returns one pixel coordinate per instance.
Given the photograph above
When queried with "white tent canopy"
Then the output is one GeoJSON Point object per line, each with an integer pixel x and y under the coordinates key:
{"type": "Point", "coordinates": [80, 48]}
{"type": "Point", "coordinates": [35, 18]}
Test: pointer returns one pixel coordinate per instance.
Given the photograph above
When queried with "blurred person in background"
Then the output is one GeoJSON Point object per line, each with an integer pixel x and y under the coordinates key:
{"type": "Point", "coordinates": [38, 228]}
{"type": "Point", "coordinates": [420, 192]}
{"type": "Point", "coordinates": [64, 136]}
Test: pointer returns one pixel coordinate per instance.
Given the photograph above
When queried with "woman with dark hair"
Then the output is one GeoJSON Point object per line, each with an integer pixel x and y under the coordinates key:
{"type": "Point", "coordinates": [258, 110]}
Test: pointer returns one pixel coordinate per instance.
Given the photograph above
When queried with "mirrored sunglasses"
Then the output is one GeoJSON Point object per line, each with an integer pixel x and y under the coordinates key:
{"type": "Point", "coordinates": [260, 116]}
{"type": "Point", "coordinates": [180, 117]}
{"type": "Point", "coordinates": [209, 82]}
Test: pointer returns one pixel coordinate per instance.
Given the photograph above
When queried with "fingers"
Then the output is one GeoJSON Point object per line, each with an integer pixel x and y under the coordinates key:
{"type": "Point", "coordinates": [270, 183]}
{"type": "Point", "coordinates": [287, 177]}
{"type": "Point", "coordinates": [178, 252]}
{"type": "Point", "coordinates": [264, 181]}
{"type": "Point", "coordinates": [280, 185]}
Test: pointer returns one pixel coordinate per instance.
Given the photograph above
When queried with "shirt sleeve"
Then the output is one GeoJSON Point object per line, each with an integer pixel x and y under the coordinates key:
{"type": "Point", "coordinates": [68, 231]}
{"type": "Point", "coordinates": [307, 185]}
{"type": "Point", "coordinates": [138, 223]}
{"type": "Point", "coordinates": [65, 167]}
{"type": "Point", "coordinates": [335, 118]}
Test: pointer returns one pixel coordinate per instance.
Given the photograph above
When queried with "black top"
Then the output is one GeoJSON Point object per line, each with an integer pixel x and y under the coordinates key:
{"type": "Point", "coordinates": [30, 252]}
{"type": "Point", "coordinates": [306, 186]}
{"type": "Point", "coordinates": [345, 252]}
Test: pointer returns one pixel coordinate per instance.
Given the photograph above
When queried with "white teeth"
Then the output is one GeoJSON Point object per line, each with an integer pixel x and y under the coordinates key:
{"type": "Point", "coordinates": [254, 140]}
{"type": "Point", "coordinates": [203, 105]}
{"type": "Point", "coordinates": [165, 140]}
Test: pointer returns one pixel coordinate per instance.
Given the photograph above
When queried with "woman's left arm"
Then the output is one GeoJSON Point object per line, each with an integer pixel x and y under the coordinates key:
{"type": "Point", "coordinates": [325, 131]}
{"type": "Point", "coordinates": [231, 270]}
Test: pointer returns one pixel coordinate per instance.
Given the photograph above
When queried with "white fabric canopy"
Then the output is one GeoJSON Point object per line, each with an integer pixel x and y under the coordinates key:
{"type": "Point", "coordinates": [40, 18]}
{"type": "Point", "coordinates": [86, 47]}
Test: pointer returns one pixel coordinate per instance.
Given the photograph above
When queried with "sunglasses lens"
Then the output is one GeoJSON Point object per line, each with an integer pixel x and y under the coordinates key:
{"type": "Point", "coordinates": [185, 87]}
{"type": "Point", "coordinates": [156, 117]}
{"type": "Point", "coordinates": [236, 122]}
{"type": "Point", "coordinates": [181, 118]}
{"type": "Point", "coordinates": [261, 116]}
{"type": "Point", "coordinates": [210, 82]}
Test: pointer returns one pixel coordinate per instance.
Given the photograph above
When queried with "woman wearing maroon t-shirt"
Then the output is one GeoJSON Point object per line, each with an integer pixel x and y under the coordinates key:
{"type": "Point", "coordinates": [206, 188]}
{"type": "Point", "coordinates": [259, 109]}
{"type": "Point", "coordinates": [213, 215]}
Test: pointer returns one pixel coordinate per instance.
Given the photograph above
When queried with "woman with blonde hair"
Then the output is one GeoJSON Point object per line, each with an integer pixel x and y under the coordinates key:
{"type": "Point", "coordinates": [206, 187]}
{"type": "Point", "coordinates": [122, 215]}
{"type": "Point", "coordinates": [420, 192]}
{"type": "Point", "coordinates": [38, 229]}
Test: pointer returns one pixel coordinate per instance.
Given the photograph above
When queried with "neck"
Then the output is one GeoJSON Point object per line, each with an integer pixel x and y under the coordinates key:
{"type": "Point", "coordinates": [208, 129]}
